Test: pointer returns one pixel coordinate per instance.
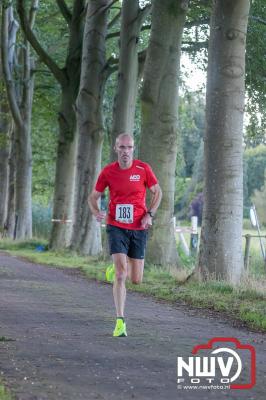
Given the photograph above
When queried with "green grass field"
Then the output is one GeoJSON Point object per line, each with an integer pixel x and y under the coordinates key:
{"type": "Point", "coordinates": [257, 266]}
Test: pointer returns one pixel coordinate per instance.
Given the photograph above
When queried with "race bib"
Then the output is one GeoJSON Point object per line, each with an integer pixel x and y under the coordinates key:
{"type": "Point", "coordinates": [124, 213]}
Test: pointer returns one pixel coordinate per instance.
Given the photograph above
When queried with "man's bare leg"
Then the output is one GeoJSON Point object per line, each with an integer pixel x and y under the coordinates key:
{"type": "Point", "coordinates": [129, 268]}
{"type": "Point", "coordinates": [136, 267]}
{"type": "Point", "coordinates": [119, 287]}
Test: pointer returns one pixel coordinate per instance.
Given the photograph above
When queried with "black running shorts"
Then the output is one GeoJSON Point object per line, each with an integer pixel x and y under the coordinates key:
{"type": "Point", "coordinates": [127, 241]}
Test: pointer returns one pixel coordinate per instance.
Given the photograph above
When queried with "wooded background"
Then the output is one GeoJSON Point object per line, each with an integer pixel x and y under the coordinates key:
{"type": "Point", "coordinates": [74, 74]}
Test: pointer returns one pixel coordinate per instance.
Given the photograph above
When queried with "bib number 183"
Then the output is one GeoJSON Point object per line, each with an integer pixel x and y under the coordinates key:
{"type": "Point", "coordinates": [124, 213]}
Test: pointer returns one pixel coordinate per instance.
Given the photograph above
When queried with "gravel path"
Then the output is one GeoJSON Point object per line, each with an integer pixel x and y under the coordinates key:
{"type": "Point", "coordinates": [60, 325]}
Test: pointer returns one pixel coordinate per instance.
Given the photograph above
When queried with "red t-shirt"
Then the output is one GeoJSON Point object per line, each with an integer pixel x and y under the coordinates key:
{"type": "Point", "coordinates": [127, 189]}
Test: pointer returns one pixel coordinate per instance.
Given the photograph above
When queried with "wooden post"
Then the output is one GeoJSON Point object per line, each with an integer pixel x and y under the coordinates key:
{"type": "Point", "coordinates": [247, 249]}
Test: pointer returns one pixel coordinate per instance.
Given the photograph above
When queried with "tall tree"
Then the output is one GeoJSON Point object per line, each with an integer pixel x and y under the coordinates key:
{"type": "Point", "coordinates": [7, 141]}
{"type": "Point", "coordinates": [221, 237]}
{"type": "Point", "coordinates": [11, 207]}
{"type": "Point", "coordinates": [20, 103]}
{"type": "Point", "coordinates": [4, 150]}
{"type": "Point", "coordinates": [68, 78]}
{"type": "Point", "coordinates": [86, 237]}
{"type": "Point", "coordinates": [158, 144]}
{"type": "Point", "coordinates": [128, 72]}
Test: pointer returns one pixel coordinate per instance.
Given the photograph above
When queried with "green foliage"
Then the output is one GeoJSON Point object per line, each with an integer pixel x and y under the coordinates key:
{"type": "Point", "coordinates": [255, 60]}
{"type": "Point", "coordinates": [44, 139]}
{"type": "Point", "coordinates": [193, 190]}
{"type": "Point", "coordinates": [41, 221]}
{"type": "Point", "coordinates": [3, 140]}
{"type": "Point", "coordinates": [255, 73]}
{"type": "Point", "coordinates": [190, 153]}
{"type": "Point", "coordinates": [259, 200]}
{"type": "Point", "coordinates": [187, 262]}
{"type": "Point", "coordinates": [199, 10]}
{"type": "Point", "coordinates": [4, 116]}
{"type": "Point", "coordinates": [4, 393]}
{"type": "Point", "coordinates": [197, 32]}
{"type": "Point", "coordinates": [192, 121]}
{"type": "Point", "coordinates": [17, 245]}
{"type": "Point", "coordinates": [181, 187]}
{"type": "Point", "coordinates": [255, 168]}
{"type": "Point", "coordinates": [52, 32]}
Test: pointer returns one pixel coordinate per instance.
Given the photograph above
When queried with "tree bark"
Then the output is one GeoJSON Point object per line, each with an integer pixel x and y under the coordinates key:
{"type": "Point", "coordinates": [68, 78]}
{"type": "Point", "coordinates": [158, 144]}
{"type": "Point", "coordinates": [23, 203]}
{"type": "Point", "coordinates": [67, 143]}
{"type": "Point", "coordinates": [127, 85]}
{"type": "Point", "coordinates": [7, 148]}
{"type": "Point", "coordinates": [86, 237]}
{"type": "Point", "coordinates": [20, 103]}
{"type": "Point", "coordinates": [10, 216]}
{"type": "Point", "coordinates": [221, 237]}
{"type": "Point", "coordinates": [4, 145]}
{"type": "Point", "coordinates": [4, 151]}
{"type": "Point", "coordinates": [65, 171]}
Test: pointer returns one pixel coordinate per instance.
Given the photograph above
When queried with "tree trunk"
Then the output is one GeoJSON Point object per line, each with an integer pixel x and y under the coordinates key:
{"type": "Point", "coordinates": [65, 170]}
{"type": "Point", "coordinates": [5, 129]}
{"type": "Point", "coordinates": [221, 237]}
{"type": "Point", "coordinates": [20, 103]}
{"type": "Point", "coordinates": [3, 179]}
{"type": "Point", "coordinates": [158, 144]}
{"type": "Point", "coordinates": [23, 205]}
{"type": "Point", "coordinates": [86, 237]}
{"type": "Point", "coordinates": [67, 143]}
{"type": "Point", "coordinates": [4, 151]}
{"type": "Point", "coordinates": [10, 217]}
{"type": "Point", "coordinates": [68, 78]}
{"type": "Point", "coordinates": [127, 85]}
{"type": "Point", "coordinates": [23, 181]}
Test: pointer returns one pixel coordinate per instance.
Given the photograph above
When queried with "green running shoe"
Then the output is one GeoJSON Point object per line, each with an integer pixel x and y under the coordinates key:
{"type": "Point", "coordinates": [110, 273]}
{"type": "Point", "coordinates": [120, 328]}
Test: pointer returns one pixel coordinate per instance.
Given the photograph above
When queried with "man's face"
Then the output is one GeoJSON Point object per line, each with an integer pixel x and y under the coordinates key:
{"type": "Point", "coordinates": [124, 148]}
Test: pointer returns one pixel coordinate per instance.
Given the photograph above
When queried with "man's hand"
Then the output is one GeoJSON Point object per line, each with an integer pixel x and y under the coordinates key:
{"type": "Point", "coordinates": [146, 221]}
{"type": "Point", "coordinates": [93, 201]}
{"type": "Point", "coordinates": [100, 216]}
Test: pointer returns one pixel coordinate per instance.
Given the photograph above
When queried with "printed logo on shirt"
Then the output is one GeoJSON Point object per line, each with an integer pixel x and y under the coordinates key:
{"type": "Point", "coordinates": [134, 178]}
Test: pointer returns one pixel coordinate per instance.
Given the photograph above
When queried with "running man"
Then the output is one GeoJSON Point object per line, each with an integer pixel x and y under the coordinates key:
{"type": "Point", "coordinates": [128, 218]}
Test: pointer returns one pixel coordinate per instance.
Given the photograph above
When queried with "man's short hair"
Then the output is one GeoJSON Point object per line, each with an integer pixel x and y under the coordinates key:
{"type": "Point", "coordinates": [122, 135]}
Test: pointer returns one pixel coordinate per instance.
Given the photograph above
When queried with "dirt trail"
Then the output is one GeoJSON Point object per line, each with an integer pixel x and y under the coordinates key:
{"type": "Point", "coordinates": [60, 325]}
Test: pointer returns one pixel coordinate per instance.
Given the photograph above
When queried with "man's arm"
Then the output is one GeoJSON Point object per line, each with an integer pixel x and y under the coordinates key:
{"type": "Point", "coordinates": [94, 207]}
{"type": "Point", "coordinates": [156, 198]}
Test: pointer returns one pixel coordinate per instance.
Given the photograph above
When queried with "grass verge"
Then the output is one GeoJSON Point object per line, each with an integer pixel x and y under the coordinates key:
{"type": "Point", "coordinates": [245, 303]}
{"type": "Point", "coordinates": [5, 394]}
